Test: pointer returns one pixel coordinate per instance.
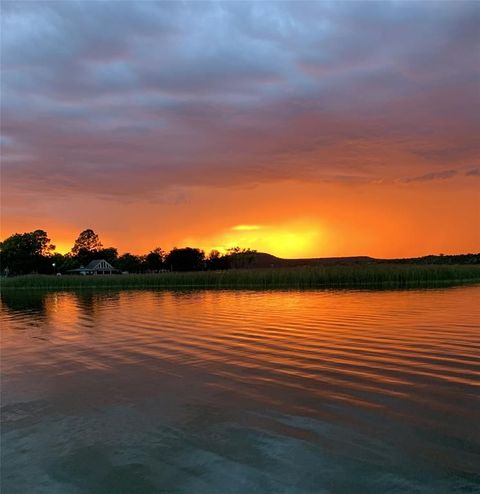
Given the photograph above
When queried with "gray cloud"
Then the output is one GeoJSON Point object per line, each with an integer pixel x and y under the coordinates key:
{"type": "Point", "coordinates": [128, 98]}
{"type": "Point", "coordinates": [427, 177]}
{"type": "Point", "coordinates": [473, 172]}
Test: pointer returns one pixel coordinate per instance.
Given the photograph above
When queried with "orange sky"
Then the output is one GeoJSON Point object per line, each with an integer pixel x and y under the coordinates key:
{"type": "Point", "coordinates": [290, 219]}
{"type": "Point", "coordinates": [296, 128]}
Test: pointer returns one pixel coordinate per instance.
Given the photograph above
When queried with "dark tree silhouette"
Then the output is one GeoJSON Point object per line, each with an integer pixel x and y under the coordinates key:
{"type": "Point", "coordinates": [87, 241]}
{"type": "Point", "coordinates": [154, 259]}
{"type": "Point", "coordinates": [186, 259]}
{"type": "Point", "coordinates": [42, 244]}
{"type": "Point", "coordinates": [240, 258]}
{"type": "Point", "coordinates": [217, 261]}
{"type": "Point", "coordinates": [62, 262]}
{"type": "Point", "coordinates": [23, 253]}
{"type": "Point", "coordinates": [110, 254]}
{"type": "Point", "coordinates": [33, 252]}
{"type": "Point", "coordinates": [131, 263]}
{"type": "Point", "coordinates": [88, 247]}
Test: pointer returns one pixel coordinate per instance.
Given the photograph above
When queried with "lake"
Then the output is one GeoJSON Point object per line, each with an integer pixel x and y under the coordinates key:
{"type": "Point", "coordinates": [241, 392]}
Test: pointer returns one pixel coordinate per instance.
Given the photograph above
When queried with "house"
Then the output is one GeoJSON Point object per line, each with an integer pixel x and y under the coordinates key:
{"type": "Point", "coordinates": [97, 266]}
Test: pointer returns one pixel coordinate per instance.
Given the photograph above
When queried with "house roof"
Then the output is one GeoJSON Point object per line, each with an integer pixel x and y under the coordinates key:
{"type": "Point", "coordinates": [96, 262]}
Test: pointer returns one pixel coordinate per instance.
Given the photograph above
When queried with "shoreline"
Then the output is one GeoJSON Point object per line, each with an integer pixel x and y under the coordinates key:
{"type": "Point", "coordinates": [322, 277]}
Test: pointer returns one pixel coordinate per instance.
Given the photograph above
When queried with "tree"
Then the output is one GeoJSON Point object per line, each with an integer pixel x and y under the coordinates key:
{"type": "Point", "coordinates": [87, 247]}
{"type": "Point", "coordinates": [62, 263]}
{"type": "Point", "coordinates": [110, 254]}
{"type": "Point", "coordinates": [24, 253]}
{"type": "Point", "coordinates": [186, 259]}
{"type": "Point", "coordinates": [87, 241]}
{"type": "Point", "coordinates": [240, 258]}
{"type": "Point", "coordinates": [131, 263]}
{"type": "Point", "coordinates": [217, 261]}
{"type": "Point", "coordinates": [154, 259]}
{"type": "Point", "coordinates": [41, 243]}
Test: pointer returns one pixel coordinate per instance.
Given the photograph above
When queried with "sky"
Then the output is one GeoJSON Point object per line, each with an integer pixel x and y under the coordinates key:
{"type": "Point", "coordinates": [303, 129]}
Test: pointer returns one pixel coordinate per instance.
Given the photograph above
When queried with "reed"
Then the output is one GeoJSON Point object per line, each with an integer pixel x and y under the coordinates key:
{"type": "Point", "coordinates": [376, 275]}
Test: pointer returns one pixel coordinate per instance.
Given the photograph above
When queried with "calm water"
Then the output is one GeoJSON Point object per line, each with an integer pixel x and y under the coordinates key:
{"type": "Point", "coordinates": [241, 392]}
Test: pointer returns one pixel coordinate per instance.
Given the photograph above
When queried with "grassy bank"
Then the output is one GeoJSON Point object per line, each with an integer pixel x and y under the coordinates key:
{"type": "Point", "coordinates": [382, 275]}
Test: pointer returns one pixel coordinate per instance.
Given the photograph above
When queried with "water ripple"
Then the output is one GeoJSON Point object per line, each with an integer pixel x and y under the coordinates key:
{"type": "Point", "coordinates": [285, 391]}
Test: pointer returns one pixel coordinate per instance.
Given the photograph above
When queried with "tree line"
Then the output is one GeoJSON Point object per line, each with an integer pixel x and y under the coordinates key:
{"type": "Point", "coordinates": [33, 252]}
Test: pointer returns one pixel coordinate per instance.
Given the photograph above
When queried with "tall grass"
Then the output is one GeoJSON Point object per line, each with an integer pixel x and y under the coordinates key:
{"type": "Point", "coordinates": [382, 275]}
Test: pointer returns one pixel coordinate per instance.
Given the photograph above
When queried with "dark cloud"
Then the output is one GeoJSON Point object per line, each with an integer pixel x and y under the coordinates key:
{"type": "Point", "coordinates": [130, 98]}
{"type": "Point", "coordinates": [473, 172]}
{"type": "Point", "coordinates": [427, 177]}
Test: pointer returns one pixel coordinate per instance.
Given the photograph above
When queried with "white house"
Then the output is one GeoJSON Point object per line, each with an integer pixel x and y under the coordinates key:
{"type": "Point", "coordinates": [97, 266]}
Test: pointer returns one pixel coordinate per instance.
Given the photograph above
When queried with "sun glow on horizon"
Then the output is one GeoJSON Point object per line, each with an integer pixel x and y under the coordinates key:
{"type": "Point", "coordinates": [62, 247]}
{"type": "Point", "coordinates": [289, 241]}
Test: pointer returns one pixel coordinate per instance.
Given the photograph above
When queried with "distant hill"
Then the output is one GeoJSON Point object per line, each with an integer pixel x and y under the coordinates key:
{"type": "Point", "coordinates": [440, 259]}
{"type": "Point", "coordinates": [264, 260]}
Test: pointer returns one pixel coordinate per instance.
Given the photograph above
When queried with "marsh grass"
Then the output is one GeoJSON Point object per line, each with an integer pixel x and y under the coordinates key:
{"type": "Point", "coordinates": [378, 275]}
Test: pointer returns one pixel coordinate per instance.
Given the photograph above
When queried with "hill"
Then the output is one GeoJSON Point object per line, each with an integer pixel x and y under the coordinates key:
{"type": "Point", "coordinates": [265, 260]}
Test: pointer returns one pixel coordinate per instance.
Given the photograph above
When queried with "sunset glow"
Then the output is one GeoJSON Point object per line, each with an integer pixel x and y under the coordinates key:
{"type": "Point", "coordinates": [239, 246]}
{"type": "Point", "coordinates": [294, 240]}
{"type": "Point", "coordinates": [301, 129]}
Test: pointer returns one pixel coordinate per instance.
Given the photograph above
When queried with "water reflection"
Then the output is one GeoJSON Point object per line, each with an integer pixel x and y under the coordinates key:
{"type": "Point", "coordinates": [321, 391]}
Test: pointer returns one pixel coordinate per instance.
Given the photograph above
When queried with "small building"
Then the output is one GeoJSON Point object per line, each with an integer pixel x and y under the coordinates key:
{"type": "Point", "coordinates": [97, 266]}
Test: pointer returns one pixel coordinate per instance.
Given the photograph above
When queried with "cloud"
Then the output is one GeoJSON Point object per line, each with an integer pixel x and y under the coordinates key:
{"type": "Point", "coordinates": [427, 177]}
{"type": "Point", "coordinates": [132, 99]}
{"type": "Point", "coordinates": [473, 172]}
{"type": "Point", "coordinates": [443, 175]}
{"type": "Point", "coordinates": [246, 228]}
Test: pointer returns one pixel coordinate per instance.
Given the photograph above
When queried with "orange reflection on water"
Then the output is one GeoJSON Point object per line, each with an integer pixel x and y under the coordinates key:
{"type": "Point", "coordinates": [370, 340]}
